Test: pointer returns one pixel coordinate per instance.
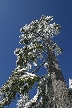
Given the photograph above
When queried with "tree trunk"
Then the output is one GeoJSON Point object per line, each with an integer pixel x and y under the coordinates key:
{"type": "Point", "coordinates": [61, 92]}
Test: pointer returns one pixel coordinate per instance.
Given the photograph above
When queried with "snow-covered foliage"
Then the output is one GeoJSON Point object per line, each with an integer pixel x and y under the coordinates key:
{"type": "Point", "coordinates": [24, 101]}
{"type": "Point", "coordinates": [34, 38]}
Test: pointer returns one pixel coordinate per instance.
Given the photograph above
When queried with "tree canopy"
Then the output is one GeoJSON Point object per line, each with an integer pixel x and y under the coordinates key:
{"type": "Point", "coordinates": [34, 38]}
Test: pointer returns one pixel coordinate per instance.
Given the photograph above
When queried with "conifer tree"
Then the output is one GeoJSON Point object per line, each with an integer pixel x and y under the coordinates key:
{"type": "Point", "coordinates": [52, 91]}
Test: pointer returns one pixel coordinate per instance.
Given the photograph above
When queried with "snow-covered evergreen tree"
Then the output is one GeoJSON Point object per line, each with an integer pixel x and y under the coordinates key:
{"type": "Point", "coordinates": [37, 45]}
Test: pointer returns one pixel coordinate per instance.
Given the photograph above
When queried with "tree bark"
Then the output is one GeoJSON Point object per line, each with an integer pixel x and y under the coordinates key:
{"type": "Point", "coordinates": [61, 92]}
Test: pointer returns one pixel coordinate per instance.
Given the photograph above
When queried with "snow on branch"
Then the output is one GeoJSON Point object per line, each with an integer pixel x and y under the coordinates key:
{"type": "Point", "coordinates": [33, 100]}
{"type": "Point", "coordinates": [27, 75]}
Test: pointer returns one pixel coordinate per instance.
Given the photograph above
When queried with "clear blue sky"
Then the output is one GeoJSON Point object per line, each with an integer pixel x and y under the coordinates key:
{"type": "Point", "coordinates": [14, 14]}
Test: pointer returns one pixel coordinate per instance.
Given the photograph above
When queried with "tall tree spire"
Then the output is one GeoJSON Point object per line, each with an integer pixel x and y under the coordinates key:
{"type": "Point", "coordinates": [52, 91]}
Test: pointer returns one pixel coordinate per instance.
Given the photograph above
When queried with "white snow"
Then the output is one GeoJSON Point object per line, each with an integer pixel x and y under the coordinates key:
{"type": "Point", "coordinates": [70, 83]}
{"type": "Point", "coordinates": [27, 75]}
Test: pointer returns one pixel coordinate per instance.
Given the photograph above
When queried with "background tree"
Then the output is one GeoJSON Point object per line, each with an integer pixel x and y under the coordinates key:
{"type": "Point", "coordinates": [52, 90]}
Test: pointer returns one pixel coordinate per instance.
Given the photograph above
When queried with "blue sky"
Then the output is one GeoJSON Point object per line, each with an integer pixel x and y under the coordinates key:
{"type": "Point", "coordinates": [14, 14]}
